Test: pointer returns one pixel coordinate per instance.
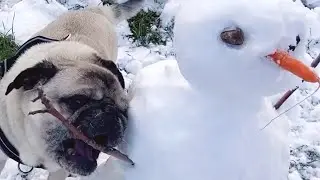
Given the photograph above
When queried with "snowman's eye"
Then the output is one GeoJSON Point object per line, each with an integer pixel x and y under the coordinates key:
{"type": "Point", "coordinates": [232, 36]}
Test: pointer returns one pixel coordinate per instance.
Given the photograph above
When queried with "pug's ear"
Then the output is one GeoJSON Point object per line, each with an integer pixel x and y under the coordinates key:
{"type": "Point", "coordinates": [112, 67]}
{"type": "Point", "coordinates": [39, 73]}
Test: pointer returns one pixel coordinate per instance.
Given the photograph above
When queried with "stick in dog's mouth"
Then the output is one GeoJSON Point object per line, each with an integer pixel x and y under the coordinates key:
{"type": "Point", "coordinates": [76, 132]}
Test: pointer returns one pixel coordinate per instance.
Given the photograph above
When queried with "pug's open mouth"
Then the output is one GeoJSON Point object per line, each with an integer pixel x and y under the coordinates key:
{"type": "Point", "coordinates": [77, 150]}
{"type": "Point", "coordinates": [76, 157]}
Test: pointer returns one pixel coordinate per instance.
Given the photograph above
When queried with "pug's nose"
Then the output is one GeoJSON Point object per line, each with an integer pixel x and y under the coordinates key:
{"type": "Point", "coordinates": [106, 126]}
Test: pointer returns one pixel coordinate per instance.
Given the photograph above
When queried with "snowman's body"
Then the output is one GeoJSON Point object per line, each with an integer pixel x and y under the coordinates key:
{"type": "Point", "coordinates": [200, 117]}
{"type": "Point", "coordinates": [183, 134]}
{"type": "Point", "coordinates": [179, 133]}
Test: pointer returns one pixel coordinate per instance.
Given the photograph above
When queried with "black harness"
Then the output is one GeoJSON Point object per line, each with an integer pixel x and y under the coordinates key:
{"type": "Point", "coordinates": [5, 65]}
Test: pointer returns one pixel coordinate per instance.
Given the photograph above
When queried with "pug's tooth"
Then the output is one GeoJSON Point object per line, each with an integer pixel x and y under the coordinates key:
{"type": "Point", "coordinates": [71, 151]}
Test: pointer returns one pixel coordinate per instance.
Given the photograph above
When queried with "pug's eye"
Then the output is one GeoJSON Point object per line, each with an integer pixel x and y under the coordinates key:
{"type": "Point", "coordinates": [75, 102]}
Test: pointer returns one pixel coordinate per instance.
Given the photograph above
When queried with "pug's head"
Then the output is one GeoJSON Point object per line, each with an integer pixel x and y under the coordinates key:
{"type": "Point", "coordinates": [70, 85]}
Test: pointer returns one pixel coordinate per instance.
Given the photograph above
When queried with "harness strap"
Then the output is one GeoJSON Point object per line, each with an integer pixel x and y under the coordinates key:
{"type": "Point", "coordinates": [6, 64]}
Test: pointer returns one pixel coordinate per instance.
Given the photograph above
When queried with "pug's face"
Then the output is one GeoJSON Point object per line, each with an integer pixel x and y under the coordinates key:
{"type": "Point", "coordinates": [70, 85]}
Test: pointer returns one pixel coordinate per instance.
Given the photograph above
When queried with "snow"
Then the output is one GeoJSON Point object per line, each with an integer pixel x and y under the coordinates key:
{"type": "Point", "coordinates": [275, 25]}
{"type": "Point", "coordinates": [311, 3]}
{"type": "Point", "coordinates": [27, 16]}
{"type": "Point", "coordinates": [173, 121]}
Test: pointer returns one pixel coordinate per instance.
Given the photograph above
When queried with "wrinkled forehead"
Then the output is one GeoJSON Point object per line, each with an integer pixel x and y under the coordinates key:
{"type": "Point", "coordinates": [94, 82]}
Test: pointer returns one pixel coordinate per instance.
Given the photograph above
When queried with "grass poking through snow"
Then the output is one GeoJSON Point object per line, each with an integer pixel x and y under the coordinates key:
{"type": "Point", "coordinates": [146, 28]}
{"type": "Point", "coordinates": [7, 46]}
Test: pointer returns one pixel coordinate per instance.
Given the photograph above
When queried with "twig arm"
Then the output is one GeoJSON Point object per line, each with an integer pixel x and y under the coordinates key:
{"type": "Point", "coordinates": [284, 98]}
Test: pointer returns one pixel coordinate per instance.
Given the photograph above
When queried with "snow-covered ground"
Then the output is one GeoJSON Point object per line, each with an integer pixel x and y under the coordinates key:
{"type": "Point", "coordinates": [28, 16]}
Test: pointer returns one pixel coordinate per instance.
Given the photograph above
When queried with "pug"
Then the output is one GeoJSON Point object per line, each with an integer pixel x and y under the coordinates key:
{"type": "Point", "coordinates": [73, 60]}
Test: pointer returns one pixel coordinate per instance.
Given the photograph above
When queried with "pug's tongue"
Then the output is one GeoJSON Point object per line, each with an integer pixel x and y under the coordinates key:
{"type": "Point", "coordinates": [83, 149]}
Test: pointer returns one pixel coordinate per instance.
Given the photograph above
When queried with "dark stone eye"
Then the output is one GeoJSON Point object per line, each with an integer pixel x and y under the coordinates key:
{"type": "Point", "coordinates": [75, 102]}
{"type": "Point", "coordinates": [232, 36]}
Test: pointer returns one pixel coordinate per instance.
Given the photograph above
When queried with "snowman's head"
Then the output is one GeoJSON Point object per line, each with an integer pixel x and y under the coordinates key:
{"type": "Point", "coordinates": [209, 63]}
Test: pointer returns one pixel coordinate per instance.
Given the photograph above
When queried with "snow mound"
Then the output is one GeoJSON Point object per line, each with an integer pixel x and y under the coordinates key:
{"type": "Point", "coordinates": [28, 16]}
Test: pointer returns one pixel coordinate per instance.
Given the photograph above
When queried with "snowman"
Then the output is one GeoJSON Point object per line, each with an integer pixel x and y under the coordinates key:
{"type": "Point", "coordinates": [201, 116]}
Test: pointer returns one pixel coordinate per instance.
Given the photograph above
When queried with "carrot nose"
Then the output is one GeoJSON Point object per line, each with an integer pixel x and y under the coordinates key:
{"type": "Point", "coordinates": [296, 67]}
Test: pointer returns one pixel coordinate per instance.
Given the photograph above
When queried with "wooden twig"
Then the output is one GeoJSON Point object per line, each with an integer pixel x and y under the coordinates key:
{"type": "Point", "coordinates": [315, 62]}
{"type": "Point", "coordinates": [283, 99]}
{"type": "Point", "coordinates": [76, 132]}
